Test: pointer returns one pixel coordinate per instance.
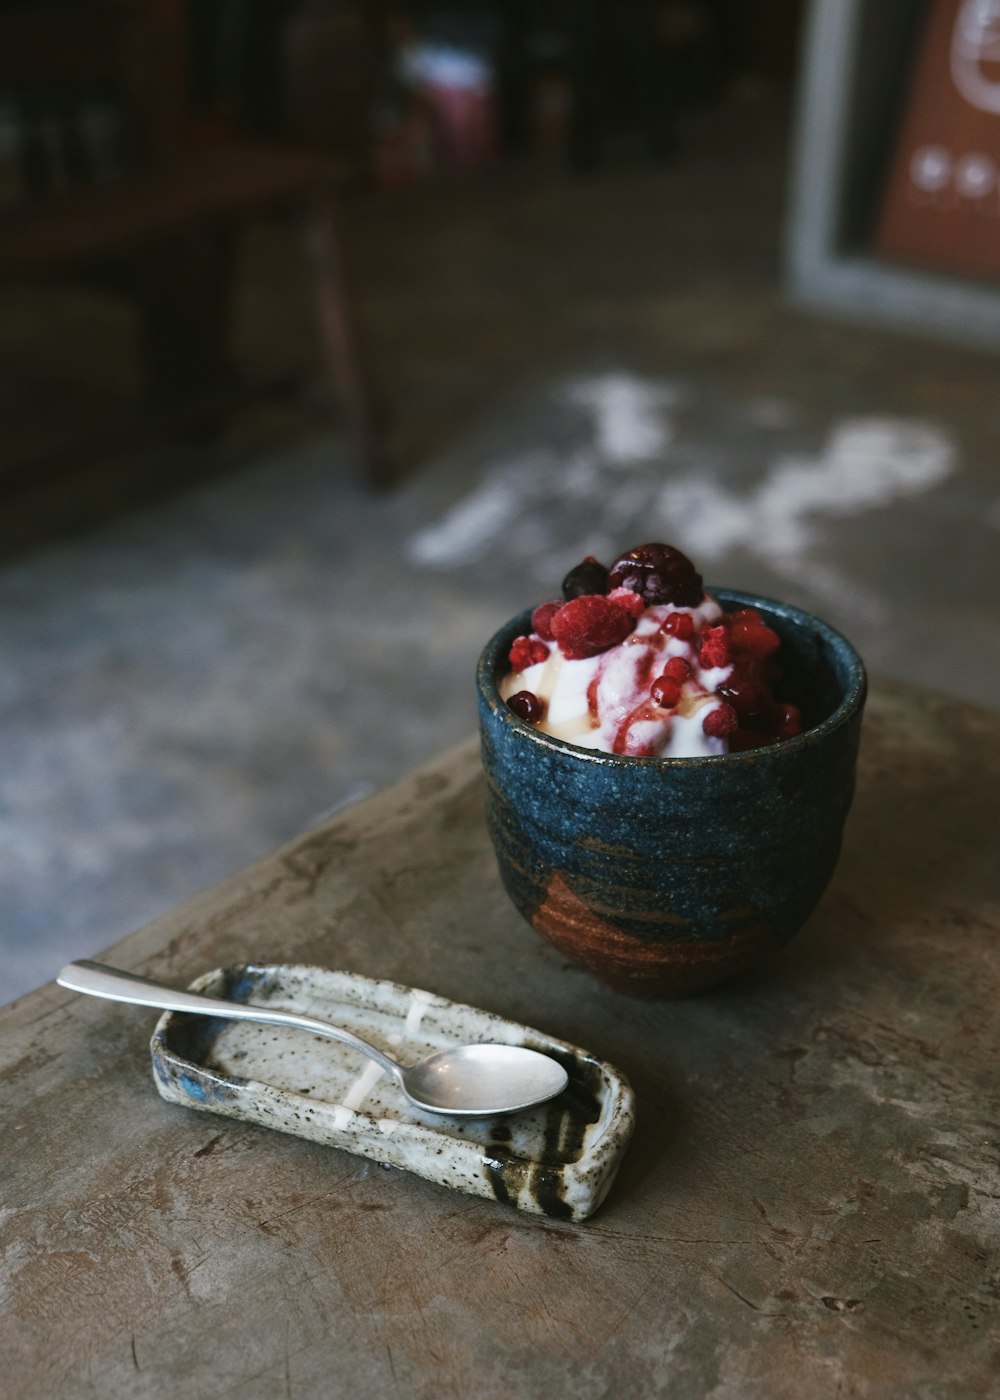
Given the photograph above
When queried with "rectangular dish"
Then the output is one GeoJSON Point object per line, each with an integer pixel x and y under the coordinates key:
{"type": "Point", "coordinates": [557, 1160]}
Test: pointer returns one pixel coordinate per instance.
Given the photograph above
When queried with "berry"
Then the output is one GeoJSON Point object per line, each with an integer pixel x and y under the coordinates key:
{"type": "Point", "coordinates": [720, 722]}
{"type": "Point", "coordinates": [541, 619]}
{"type": "Point", "coordinates": [631, 602]}
{"type": "Point", "coordinates": [677, 669]}
{"type": "Point", "coordinates": [527, 652]}
{"type": "Point", "coordinates": [753, 637]}
{"type": "Point", "coordinates": [678, 624]}
{"type": "Point", "coordinates": [526, 705]}
{"type": "Point", "coordinates": [590, 576]}
{"type": "Point", "coordinates": [665, 692]}
{"type": "Point", "coordinates": [743, 692]}
{"type": "Point", "coordinates": [787, 721]}
{"type": "Point", "coordinates": [590, 624]}
{"type": "Point", "coordinates": [715, 647]}
{"type": "Point", "coordinates": [750, 615]}
{"type": "Point", "coordinates": [659, 573]}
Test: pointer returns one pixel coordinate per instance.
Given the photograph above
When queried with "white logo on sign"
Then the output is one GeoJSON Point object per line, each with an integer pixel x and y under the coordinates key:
{"type": "Point", "coordinates": [975, 175]}
{"type": "Point", "coordinates": [930, 168]}
{"type": "Point", "coordinates": [975, 42]}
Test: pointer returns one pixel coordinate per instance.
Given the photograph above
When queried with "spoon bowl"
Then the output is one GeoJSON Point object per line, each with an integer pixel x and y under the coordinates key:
{"type": "Point", "coordinates": [484, 1079]}
{"type": "Point", "coordinates": [472, 1081]}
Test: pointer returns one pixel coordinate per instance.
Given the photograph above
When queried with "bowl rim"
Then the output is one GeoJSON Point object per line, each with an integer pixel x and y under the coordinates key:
{"type": "Point", "coordinates": [856, 690]}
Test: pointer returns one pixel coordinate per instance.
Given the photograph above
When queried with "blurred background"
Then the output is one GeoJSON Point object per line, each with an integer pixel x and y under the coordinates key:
{"type": "Point", "coordinates": [334, 333]}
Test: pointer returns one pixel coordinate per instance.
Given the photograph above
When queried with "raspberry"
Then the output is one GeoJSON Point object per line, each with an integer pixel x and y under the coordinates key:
{"type": "Point", "coordinates": [678, 624]}
{"type": "Point", "coordinates": [590, 576]}
{"type": "Point", "coordinates": [541, 619]}
{"type": "Point", "coordinates": [720, 722]}
{"type": "Point", "coordinates": [526, 652]}
{"type": "Point", "coordinates": [665, 692]}
{"type": "Point", "coordinates": [715, 647]}
{"type": "Point", "coordinates": [628, 600]}
{"type": "Point", "coordinates": [527, 705]}
{"type": "Point", "coordinates": [660, 573]}
{"type": "Point", "coordinates": [677, 669]}
{"type": "Point", "coordinates": [590, 624]}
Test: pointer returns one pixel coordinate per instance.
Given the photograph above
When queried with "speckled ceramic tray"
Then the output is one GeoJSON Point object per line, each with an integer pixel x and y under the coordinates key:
{"type": "Point", "coordinates": [559, 1159]}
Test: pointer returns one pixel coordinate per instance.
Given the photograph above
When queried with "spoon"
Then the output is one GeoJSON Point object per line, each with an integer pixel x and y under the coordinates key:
{"type": "Point", "coordinates": [469, 1080]}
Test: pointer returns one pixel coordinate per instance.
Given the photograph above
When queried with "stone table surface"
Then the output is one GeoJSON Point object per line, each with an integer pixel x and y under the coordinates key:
{"type": "Point", "coordinates": [810, 1205]}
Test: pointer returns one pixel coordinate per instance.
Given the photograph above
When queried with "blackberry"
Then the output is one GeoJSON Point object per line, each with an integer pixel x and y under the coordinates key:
{"type": "Point", "coordinates": [659, 574]}
{"type": "Point", "coordinates": [589, 576]}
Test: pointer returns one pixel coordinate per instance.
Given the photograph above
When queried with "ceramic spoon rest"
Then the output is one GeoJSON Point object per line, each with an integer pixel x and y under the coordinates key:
{"type": "Point", "coordinates": [558, 1159]}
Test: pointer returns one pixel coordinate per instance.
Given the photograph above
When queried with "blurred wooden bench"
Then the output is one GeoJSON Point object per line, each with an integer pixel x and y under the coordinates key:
{"type": "Point", "coordinates": [164, 229]}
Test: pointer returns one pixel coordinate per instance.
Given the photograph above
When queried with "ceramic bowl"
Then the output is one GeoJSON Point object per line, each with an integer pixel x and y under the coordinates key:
{"type": "Point", "coordinates": [664, 876]}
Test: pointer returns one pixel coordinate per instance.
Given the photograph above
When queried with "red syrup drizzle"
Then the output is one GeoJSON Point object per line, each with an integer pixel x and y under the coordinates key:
{"type": "Point", "coordinates": [639, 715]}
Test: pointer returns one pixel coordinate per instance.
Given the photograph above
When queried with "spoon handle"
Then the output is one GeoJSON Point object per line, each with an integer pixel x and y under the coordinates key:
{"type": "Point", "coordinates": [112, 983]}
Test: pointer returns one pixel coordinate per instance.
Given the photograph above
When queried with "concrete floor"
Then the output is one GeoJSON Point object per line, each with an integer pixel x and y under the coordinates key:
{"type": "Point", "coordinates": [208, 648]}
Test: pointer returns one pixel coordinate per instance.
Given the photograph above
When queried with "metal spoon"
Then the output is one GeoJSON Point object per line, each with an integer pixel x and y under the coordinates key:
{"type": "Point", "coordinates": [470, 1080]}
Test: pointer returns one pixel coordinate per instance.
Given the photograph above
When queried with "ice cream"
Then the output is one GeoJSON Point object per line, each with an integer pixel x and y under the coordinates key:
{"type": "Point", "coordinates": [638, 659]}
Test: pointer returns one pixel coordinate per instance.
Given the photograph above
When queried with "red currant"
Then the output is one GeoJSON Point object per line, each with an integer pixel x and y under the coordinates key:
{"type": "Point", "coordinates": [677, 669]}
{"type": "Point", "coordinates": [665, 692]}
{"type": "Point", "coordinates": [680, 625]}
{"type": "Point", "coordinates": [527, 705]}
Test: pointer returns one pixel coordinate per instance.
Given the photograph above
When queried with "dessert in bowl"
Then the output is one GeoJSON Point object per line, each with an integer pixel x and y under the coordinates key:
{"type": "Point", "coordinates": [668, 769]}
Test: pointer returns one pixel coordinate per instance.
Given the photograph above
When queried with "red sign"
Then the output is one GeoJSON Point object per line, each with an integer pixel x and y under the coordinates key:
{"type": "Point", "coordinates": [942, 204]}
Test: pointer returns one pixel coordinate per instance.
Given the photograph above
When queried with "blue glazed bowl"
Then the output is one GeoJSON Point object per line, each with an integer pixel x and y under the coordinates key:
{"type": "Point", "coordinates": [664, 876]}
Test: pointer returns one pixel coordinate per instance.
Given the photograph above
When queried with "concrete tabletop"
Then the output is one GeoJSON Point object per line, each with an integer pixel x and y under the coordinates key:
{"type": "Point", "coordinates": [810, 1205]}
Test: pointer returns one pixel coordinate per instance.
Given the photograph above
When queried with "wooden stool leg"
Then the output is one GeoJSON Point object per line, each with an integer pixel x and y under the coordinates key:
{"type": "Point", "coordinates": [341, 340]}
